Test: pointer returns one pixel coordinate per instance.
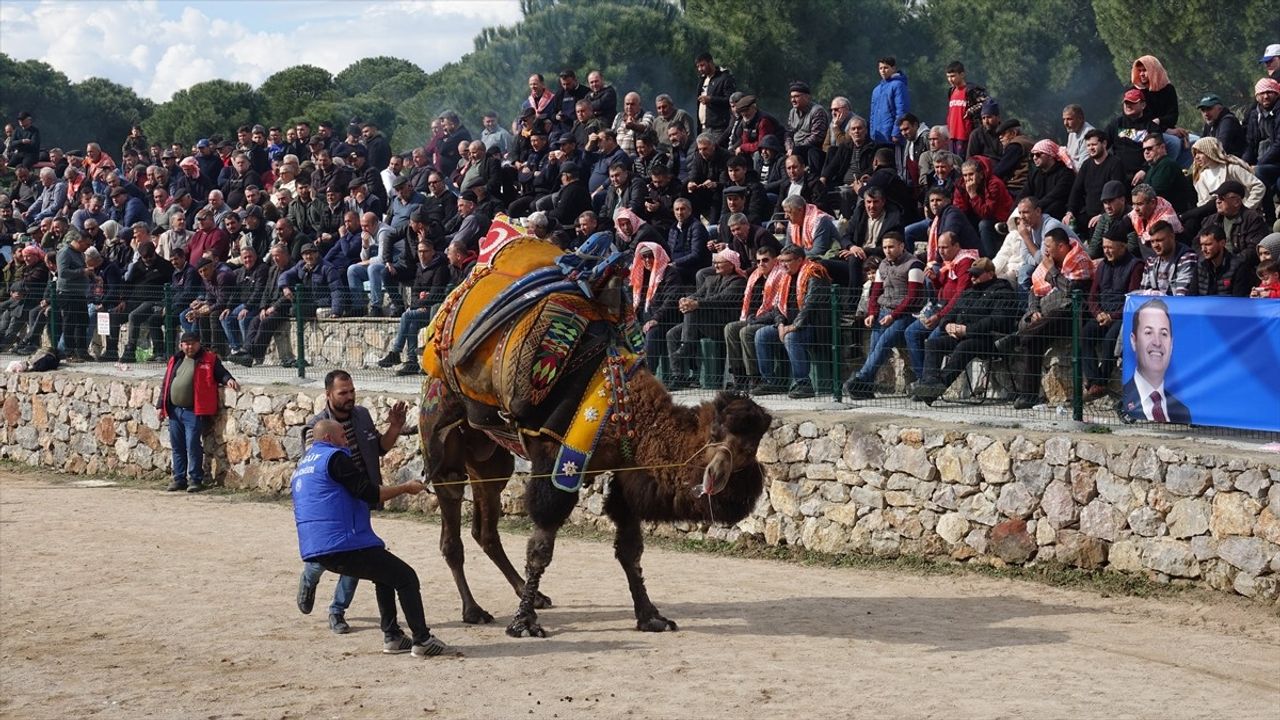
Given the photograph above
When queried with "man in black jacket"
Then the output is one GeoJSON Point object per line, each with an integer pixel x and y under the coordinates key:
{"type": "Point", "coordinates": [106, 295]}
{"type": "Point", "coordinates": [1221, 123]}
{"type": "Point", "coordinates": [987, 311]}
{"type": "Point", "coordinates": [704, 314]}
{"type": "Point", "coordinates": [714, 88]}
{"type": "Point", "coordinates": [1116, 276]}
{"type": "Point", "coordinates": [146, 279]}
{"type": "Point", "coordinates": [250, 283]}
{"type": "Point", "coordinates": [429, 284]}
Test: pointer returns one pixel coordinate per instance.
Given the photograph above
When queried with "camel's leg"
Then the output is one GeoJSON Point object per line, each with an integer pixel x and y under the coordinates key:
{"type": "Point", "coordinates": [450, 497]}
{"type": "Point", "coordinates": [486, 499]}
{"type": "Point", "coordinates": [628, 546]}
{"type": "Point", "coordinates": [548, 508]}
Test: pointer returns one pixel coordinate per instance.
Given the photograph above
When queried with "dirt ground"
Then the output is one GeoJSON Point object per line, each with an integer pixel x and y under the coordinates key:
{"type": "Point", "coordinates": [127, 603]}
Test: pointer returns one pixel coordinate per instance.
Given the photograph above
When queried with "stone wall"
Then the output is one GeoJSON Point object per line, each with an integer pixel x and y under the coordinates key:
{"type": "Point", "coordinates": [1175, 510]}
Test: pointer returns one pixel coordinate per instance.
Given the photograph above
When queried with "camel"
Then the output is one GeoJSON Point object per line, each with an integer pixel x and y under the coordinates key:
{"type": "Point", "coordinates": [668, 462]}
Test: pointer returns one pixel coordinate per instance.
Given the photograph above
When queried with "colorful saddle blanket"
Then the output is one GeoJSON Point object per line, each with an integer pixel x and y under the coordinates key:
{"type": "Point", "coordinates": [532, 355]}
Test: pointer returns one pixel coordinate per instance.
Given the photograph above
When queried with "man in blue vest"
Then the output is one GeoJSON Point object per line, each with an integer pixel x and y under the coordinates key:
{"type": "Point", "coordinates": [331, 503]}
{"type": "Point", "coordinates": [366, 446]}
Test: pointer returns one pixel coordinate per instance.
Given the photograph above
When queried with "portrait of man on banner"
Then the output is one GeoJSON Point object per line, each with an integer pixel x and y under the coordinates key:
{"type": "Point", "coordinates": [1146, 395]}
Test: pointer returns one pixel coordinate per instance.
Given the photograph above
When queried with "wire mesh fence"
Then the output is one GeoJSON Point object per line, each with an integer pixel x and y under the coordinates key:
{"type": "Point", "coordinates": [996, 360]}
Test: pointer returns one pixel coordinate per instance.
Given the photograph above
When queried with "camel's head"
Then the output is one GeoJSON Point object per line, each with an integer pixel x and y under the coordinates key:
{"type": "Point", "coordinates": [737, 425]}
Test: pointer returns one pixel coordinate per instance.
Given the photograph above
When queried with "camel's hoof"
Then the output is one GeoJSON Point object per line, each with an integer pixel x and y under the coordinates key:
{"type": "Point", "coordinates": [525, 627]}
{"type": "Point", "coordinates": [476, 616]}
{"type": "Point", "coordinates": [657, 623]}
{"type": "Point", "coordinates": [541, 602]}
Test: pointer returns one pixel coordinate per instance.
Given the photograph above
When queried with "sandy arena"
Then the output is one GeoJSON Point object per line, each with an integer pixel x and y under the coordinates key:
{"type": "Point", "coordinates": [125, 603]}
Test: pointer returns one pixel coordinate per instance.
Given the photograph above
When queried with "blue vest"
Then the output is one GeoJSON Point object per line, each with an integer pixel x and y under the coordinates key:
{"type": "Point", "coordinates": [329, 518]}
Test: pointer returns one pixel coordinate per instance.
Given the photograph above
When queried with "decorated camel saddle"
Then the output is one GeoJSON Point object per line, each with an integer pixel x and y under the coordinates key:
{"type": "Point", "coordinates": [536, 341]}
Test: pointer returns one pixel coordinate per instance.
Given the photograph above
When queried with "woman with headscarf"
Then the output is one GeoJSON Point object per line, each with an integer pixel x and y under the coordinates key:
{"type": "Point", "coordinates": [1211, 166]}
{"type": "Point", "coordinates": [655, 294]}
{"type": "Point", "coordinates": [1149, 76]}
{"type": "Point", "coordinates": [630, 231]}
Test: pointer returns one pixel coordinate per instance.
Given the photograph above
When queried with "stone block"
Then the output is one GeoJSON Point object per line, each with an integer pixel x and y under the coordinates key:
{"type": "Point", "coordinates": [1084, 483]}
{"type": "Point", "coordinates": [994, 463]}
{"type": "Point", "coordinates": [1250, 555]}
{"type": "Point", "coordinates": [1125, 555]}
{"type": "Point", "coordinates": [1016, 500]}
{"type": "Point", "coordinates": [1057, 450]}
{"type": "Point", "coordinates": [1187, 480]}
{"type": "Point", "coordinates": [1080, 550]}
{"type": "Point", "coordinates": [952, 527]}
{"type": "Point", "coordinates": [1101, 520]}
{"type": "Point", "coordinates": [1189, 517]}
{"type": "Point", "coordinates": [1092, 452]}
{"type": "Point", "coordinates": [912, 460]}
{"type": "Point", "coordinates": [1146, 522]}
{"type": "Point", "coordinates": [1171, 557]}
{"type": "Point", "coordinates": [1059, 506]}
{"type": "Point", "coordinates": [1252, 482]}
{"type": "Point", "coordinates": [979, 509]}
{"type": "Point", "coordinates": [867, 497]}
{"type": "Point", "coordinates": [1011, 542]}
{"type": "Point", "coordinates": [1268, 526]}
{"type": "Point", "coordinates": [1233, 514]}
{"type": "Point", "coordinates": [864, 450]}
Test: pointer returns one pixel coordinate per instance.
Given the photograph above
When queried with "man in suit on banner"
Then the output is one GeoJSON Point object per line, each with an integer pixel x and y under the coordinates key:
{"type": "Point", "coordinates": [1145, 396]}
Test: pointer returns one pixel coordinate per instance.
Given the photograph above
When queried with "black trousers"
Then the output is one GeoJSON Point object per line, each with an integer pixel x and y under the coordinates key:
{"type": "Point", "coordinates": [261, 330]}
{"type": "Point", "coordinates": [957, 353]}
{"type": "Point", "coordinates": [1033, 340]}
{"type": "Point", "coordinates": [1099, 350]}
{"type": "Point", "coordinates": [74, 316]}
{"type": "Point", "coordinates": [391, 576]}
{"type": "Point", "coordinates": [148, 314]}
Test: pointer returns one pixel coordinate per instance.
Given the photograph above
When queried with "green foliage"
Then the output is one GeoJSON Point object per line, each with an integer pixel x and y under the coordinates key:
{"type": "Point", "coordinates": [1207, 47]}
{"type": "Point", "coordinates": [363, 75]}
{"type": "Point", "coordinates": [288, 93]}
{"type": "Point", "coordinates": [215, 107]}
{"type": "Point", "coordinates": [1034, 56]}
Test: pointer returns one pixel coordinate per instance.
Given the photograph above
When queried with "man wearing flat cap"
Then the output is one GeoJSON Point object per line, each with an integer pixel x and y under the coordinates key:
{"type": "Point", "coordinates": [756, 125]}
{"type": "Point", "coordinates": [806, 125]}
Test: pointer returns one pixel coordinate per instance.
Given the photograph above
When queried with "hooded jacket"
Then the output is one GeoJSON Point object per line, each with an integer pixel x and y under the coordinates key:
{"type": "Point", "coordinates": [890, 100]}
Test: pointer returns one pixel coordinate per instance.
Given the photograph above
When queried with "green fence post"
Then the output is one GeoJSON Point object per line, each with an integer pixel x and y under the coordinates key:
{"type": "Point", "coordinates": [53, 317]}
{"type": "Point", "coordinates": [299, 330]}
{"type": "Point", "coordinates": [169, 320]}
{"type": "Point", "coordinates": [836, 362]}
{"type": "Point", "coordinates": [1077, 379]}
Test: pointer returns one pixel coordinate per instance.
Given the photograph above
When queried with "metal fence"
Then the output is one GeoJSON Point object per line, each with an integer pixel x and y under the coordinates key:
{"type": "Point", "coordinates": [1038, 371]}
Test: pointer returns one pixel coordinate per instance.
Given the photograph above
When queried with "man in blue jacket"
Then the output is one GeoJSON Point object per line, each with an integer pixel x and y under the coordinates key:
{"type": "Point", "coordinates": [331, 502]}
{"type": "Point", "coordinates": [889, 101]}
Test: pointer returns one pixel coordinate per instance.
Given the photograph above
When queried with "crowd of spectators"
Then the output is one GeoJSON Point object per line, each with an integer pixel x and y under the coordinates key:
{"type": "Point", "coordinates": [959, 237]}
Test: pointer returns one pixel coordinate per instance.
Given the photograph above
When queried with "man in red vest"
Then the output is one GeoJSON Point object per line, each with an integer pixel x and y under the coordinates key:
{"type": "Point", "coordinates": [189, 398]}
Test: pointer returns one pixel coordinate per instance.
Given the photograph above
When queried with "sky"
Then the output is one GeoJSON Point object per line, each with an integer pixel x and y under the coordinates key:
{"type": "Point", "coordinates": [157, 47]}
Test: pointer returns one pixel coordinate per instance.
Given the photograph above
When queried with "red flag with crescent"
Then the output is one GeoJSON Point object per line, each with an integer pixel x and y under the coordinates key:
{"type": "Point", "coordinates": [500, 233]}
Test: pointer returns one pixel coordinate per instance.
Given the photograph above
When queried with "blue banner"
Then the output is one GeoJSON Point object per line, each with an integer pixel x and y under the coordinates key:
{"type": "Point", "coordinates": [1202, 361]}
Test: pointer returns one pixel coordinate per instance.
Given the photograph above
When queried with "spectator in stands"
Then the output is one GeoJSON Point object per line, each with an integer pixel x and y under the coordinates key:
{"type": "Point", "coordinates": [1164, 176]}
{"type": "Point", "coordinates": [985, 312]}
{"type": "Point", "coordinates": [74, 279]}
{"type": "Point", "coordinates": [809, 228]}
{"type": "Point", "coordinates": [984, 139]}
{"type": "Point", "coordinates": [1118, 274]}
{"type": "Point", "coordinates": [1032, 226]}
{"type": "Point", "coordinates": [1221, 124]}
{"type": "Point", "coordinates": [687, 242]}
{"type": "Point", "coordinates": [704, 315]}
{"type": "Point", "coordinates": [1066, 269]}
{"type": "Point", "coordinates": [939, 141]}
{"type": "Point", "coordinates": [756, 126]}
{"type": "Point", "coordinates": [208, 240]}
{"type": "Point", "coordinates": [963, 106]}
{"type": "Point", "coordinates": [1085, 202]}
{"type": "Point", "coordinates": [946, 218]}
{"type": "Point", "coordinates": [1244, 227]}
{"type": "Point", "coordinates": [870, 221]}
{"type": "Point", "coordinates": [51, 199]}
{"type": "Point", "coordinates": [26, 141]}
{"type": "Point", "coordinates": [890, 100]}
{"type": "Point", "coordinates": [375, 240]}
{"type": "Point", "coordinates": [708, 173]}
{"type": "Point", "coordinates": [897, 294]}
{"type": "Point", "coordinates": [630, 231]}
{"type": "Point", "coordinates": [655, 294]}
{"type": "Point", "coordinates": [1160, 99]}
{"type": "Point", "coordinates": [948, 280]}
{"type": "Point", "coordinates": [127, 209]}
{"type": "Point", "coordinates": [849, 165]}
{"type": "Point", "coordinates": [92, 210]}
{"type": "Point", "coordinates": [1149, 209]}
{"type": "Point", "coordinates": [1268, 281]}
{"type": "Point", "coordinates": [1115, 211]}
{"type": "Point", "coordinates": [467, 226]}
{"type": "Point", "coordinates": [1171, 267]}
{"type": "Point", "coordinates": [985, 199]}
{"type": "Point", "coordinates": [428, 290]}
{"type": "Point", "coordinates": [268, 312]}
{"type": "Point", "coordinates": [715, 85]}
{"type": "Point", "coordinates": [1219, 271]}
{"type": "Point", "coordinates": [792, 321]}
{"type": "Point", "coordinates": [1015, 160]}
{"type": "Point", "coordinates": [377, 146]}
{"type": "Point", "coordinates": [572, 199]}
{"type": "Point", "coordinates": [1077, 128]}
{"type": "Point", "coordinates": [25, 293]}
{"type": "Point", "coordinates": [146, 279]}
{"type": "Point", "coordinates": [1262, 127]}
{"type": "Point", "coordinates": [249, 284]}
{"type": "Point", "coordinates": [806, 125]}
{"type": "Point", "coordinates": [759, 297]}
{"type": "Point", "coordinates": [755, 200]}
{"type": "Point", "coordinates": [455, 133]}
{"type": "Point", "coordinates": [634, 120]}
{"type": "Point", "coordinates": [1049, 180]}
{"type": "Point", "coordinates": [189, 399]}
{"type": "Point", "coordinates": [912, 148]}
{"type": "Point", "coordinates": [1127, 131]}
{"type": "Point", "coordinates": [602, 98]}
{"type": "Point", "coordinates": [626, 190]}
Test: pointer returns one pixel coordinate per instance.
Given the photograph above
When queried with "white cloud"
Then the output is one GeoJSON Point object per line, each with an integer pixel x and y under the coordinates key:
{"type": "Point", "coordinates": [146, 46]}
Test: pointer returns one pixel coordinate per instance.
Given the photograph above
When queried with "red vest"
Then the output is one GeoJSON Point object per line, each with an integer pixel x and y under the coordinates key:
{"type": "Point", "coordinates": [205, 390]}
